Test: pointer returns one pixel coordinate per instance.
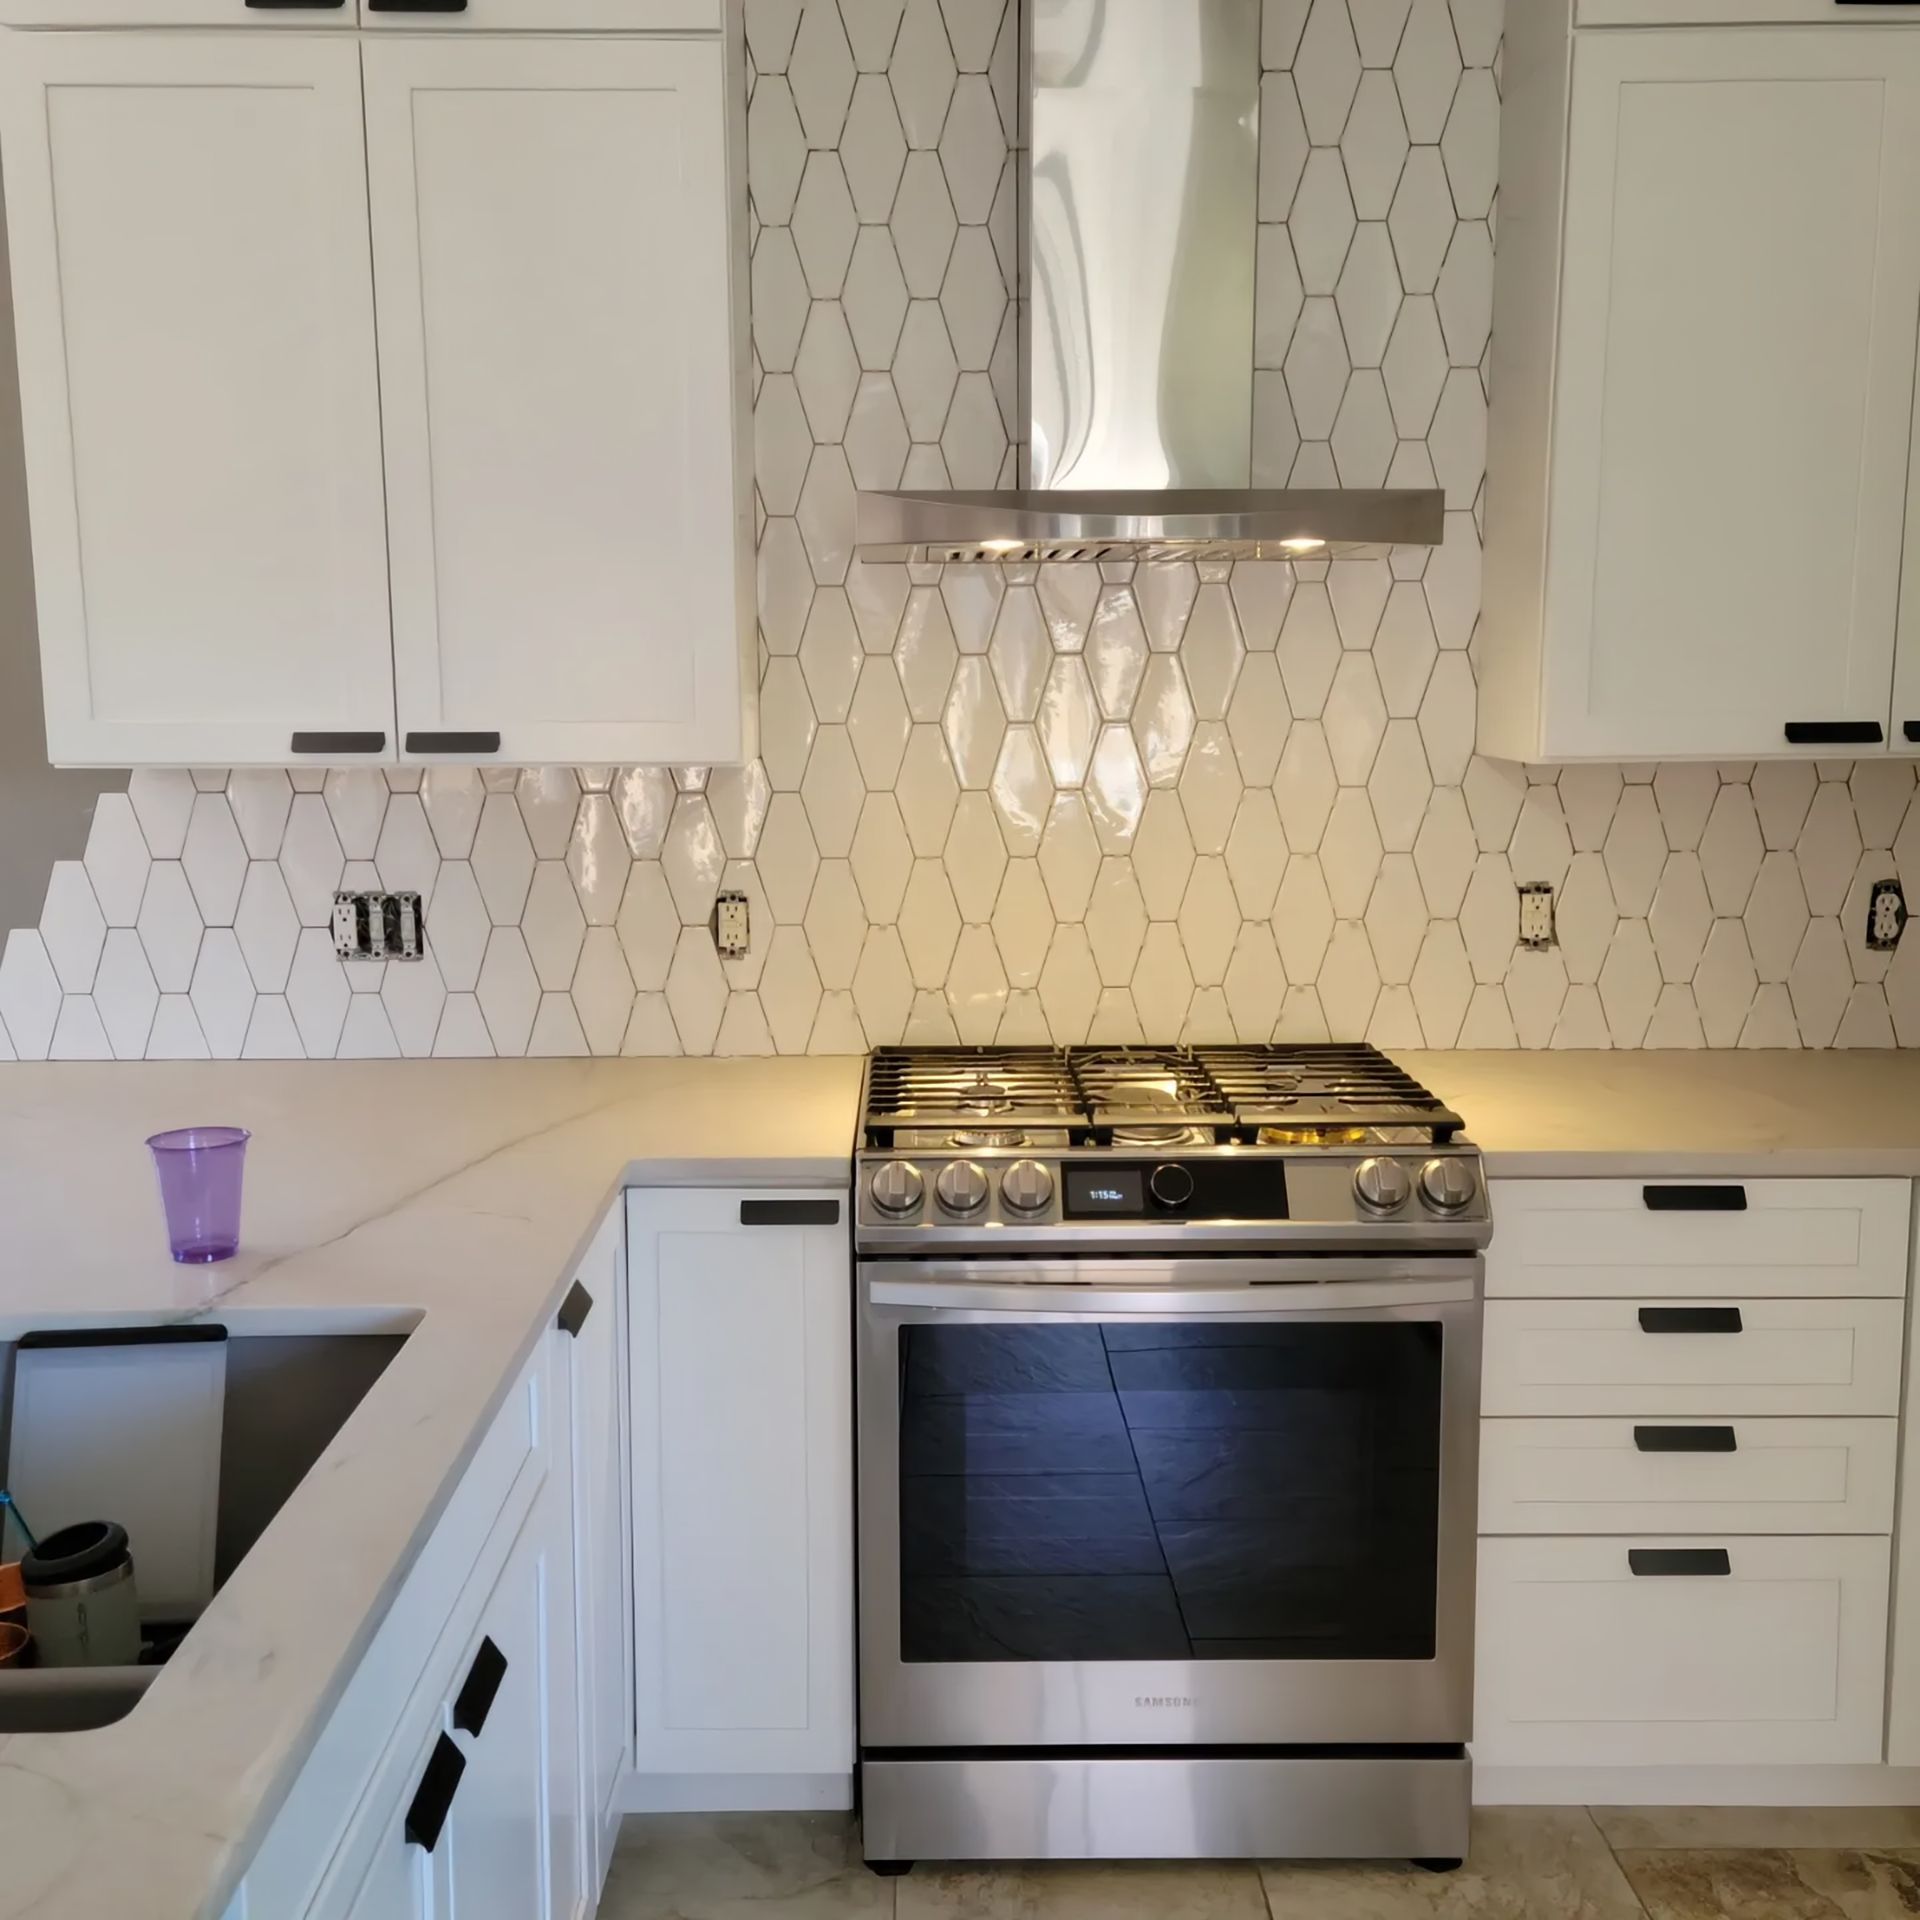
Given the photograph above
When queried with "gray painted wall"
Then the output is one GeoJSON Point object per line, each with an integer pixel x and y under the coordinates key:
{"type": "Point", "coordinates": [44, 813]}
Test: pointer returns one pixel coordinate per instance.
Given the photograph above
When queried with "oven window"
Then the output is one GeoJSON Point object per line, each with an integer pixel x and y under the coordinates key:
{"type": "Point", "coordinates": [1147, 1492]}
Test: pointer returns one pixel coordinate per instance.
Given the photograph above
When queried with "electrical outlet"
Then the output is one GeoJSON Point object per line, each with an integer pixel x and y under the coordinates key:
{"type": "Point", "coordinates": [379, 926]}
{"type": "Point", "coordinates": [1886, 916]}
{"type": "Point", "coordinates": [1536, 915]}
{"type": "Point", "coordinates": [732, 925]}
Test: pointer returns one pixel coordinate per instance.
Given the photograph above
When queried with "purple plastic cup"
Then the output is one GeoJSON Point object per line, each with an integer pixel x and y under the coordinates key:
{"type": "Point", "coordinates": [200, 1169]}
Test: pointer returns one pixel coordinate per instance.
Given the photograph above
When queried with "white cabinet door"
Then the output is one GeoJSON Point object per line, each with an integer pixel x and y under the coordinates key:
{"type": "Point", "coordinates": [1739, 306]}
{"type": "Point", "coordinates": [1665, 1652]}
{"type": "Point", "coordinates": [512, 1838]}
{"type": "Point", "coordinates": [188, 221]}
{"type": "Point", "coordinates": [603, 1585]}
{"type": "Point", "coordinates": [743, 1492]}
{"type": "Point", "coordinates": [553, 248]}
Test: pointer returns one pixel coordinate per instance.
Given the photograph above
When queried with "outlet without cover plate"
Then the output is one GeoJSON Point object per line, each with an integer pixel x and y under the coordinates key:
{"type": "Point", "coordinates": [379, 926]}
{"type": "Point", "coordinates": [1536, 915]}
{"type": "Point", "coordinates": [1886, 916]}
{"type": "Point", "coordinates": [732, 925]}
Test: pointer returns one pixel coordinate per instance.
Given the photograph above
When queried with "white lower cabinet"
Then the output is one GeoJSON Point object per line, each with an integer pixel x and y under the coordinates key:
{"type": "Point", "coordinates": [1665, 1651]}
{"type": "Point", "coordinates": [470, 1768]}
{"type": "Point", "coordinates": [742, 1417]}
{"type": "Point", "coordinates": [1688, 1473]}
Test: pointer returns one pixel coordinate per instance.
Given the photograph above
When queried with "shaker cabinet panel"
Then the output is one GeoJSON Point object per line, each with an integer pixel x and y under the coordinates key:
{"type": "Point", "coordinates": [743, 1491]}
{"type": "Point", "coordinates": [1710, 381]}
{"type": "Point", "coordinates": [1739, 309]}
{"type": "Point", "coordinates": [552, 250]}
{"type": "Point", "coordinates": [187, 217]}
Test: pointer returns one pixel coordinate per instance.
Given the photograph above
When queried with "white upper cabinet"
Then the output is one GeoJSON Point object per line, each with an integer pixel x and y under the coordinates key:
{"type": "Point", "coordinates": [188, 226]}
{"type": "Point", "coordinates": [511, 519]}
{"type": "Point", "coordinates": [551, 247]}
{"type": "Point", "coordinates": [1703, 391]}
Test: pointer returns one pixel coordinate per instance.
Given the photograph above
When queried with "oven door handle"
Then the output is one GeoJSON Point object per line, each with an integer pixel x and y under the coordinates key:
{"type": "Point", "coordinates": [1089, 1301]}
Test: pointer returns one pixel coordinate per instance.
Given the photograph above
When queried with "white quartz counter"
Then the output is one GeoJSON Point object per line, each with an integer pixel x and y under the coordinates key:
{"type": "Point", "coordinates": [1707, 1115]}
{"type": "Point", "coordinates": [455, 1194]}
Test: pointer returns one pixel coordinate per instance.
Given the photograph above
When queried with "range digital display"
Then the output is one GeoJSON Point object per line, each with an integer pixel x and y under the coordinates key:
{"type": "Point", "coordinates": [1092, 1191]}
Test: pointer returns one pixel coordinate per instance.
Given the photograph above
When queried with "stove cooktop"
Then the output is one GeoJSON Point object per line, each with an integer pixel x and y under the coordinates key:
{"type": "Point", "coordinates": [999, 1098]}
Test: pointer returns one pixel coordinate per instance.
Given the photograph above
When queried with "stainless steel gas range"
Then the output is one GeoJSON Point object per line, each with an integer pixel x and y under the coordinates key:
{"type": "Point", "coordinates": [1168, 1384]}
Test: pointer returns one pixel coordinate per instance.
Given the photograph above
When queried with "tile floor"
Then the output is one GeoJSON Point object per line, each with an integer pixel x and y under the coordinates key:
{"type": "Point", "coordinates": [1607, 1863]}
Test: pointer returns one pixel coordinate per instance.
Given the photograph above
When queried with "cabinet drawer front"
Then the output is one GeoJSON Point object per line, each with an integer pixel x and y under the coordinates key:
{"type": "Point", "coordinates": [1582, 1238]}
{"type": "Point", "coordinates": [550, 16]}
{"type": "Point", "coordinates": [1559, 1357]}
{"type": "Point", "coordinates": [1581, 1661]}
{"type": "Point", "coordinates": [1616, 1476]}
{"type": "Point", "coordinates": [1736, 13]}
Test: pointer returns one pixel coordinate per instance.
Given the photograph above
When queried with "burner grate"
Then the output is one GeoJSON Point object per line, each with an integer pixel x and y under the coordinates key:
{"type": "Point", "coordinates": [1145, 1095]}
{"type": "Point", "coordinates": [975, 1088]}
{"type": "Point", "coordinates": [1325, 1084]}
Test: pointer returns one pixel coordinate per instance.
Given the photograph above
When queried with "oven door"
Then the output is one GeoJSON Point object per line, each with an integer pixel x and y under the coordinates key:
{"type": "Point", "coordinates": [1167, 1502]}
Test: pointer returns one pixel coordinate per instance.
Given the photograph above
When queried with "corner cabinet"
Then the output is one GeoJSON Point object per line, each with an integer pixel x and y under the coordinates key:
{"type": "Point", "coordinates": [1702, 450]}
{"type": "Point", "coordinates": [384, 391]}
{"type": "Point", "coordinates": [740, 1342]}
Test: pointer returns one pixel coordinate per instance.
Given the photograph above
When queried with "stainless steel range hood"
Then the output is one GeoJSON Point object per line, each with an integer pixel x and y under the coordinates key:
{"type": "Point", "coordinates": [1139, 222]}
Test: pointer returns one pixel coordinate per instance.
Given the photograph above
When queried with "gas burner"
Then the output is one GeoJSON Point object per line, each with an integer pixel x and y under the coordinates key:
{"type": "Point", "coordinates": [984, 1097]}
{"type": "Point", "coordinates": [977, 1137]}
{"type": "Point", "coordinates": [1143, 1135]}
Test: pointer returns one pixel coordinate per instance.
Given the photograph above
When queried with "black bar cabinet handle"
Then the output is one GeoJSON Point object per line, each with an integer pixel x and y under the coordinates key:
{"type": "Point", "coordinates": [428, 1813]}
{"type": "Point", "coordinates": [453, 742]}
{"type": "Point", "coordinates": [316, 5]}
{"type": "Point", "coordinates": [574, 1310]}
{"type": "Point", "coordinates": [1835, 733]}
{"type": "Point", "coordinates": [475, 1699]}
{"type": "Point", "coordinates": [1685, 1440]}
{"type": "Point", "coordinates": [339, 743]}
{"type": "Point", "coordinates": [416, 6]}
{"type": "Point", "coordinates": [789, 1213]}
{"type": "Point", "coordinates": [1911, 729]}
{"type": "Point", "coordinates": [1691, 1320]}
{"type": "Point", "coordinates": [1669, 1563]}
{"type": "Point", "coordinates": [1695, 1199]}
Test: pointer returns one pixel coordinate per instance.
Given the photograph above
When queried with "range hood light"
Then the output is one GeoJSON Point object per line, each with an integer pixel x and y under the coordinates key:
{"type": "Point", "coordinates": [1303, 546]}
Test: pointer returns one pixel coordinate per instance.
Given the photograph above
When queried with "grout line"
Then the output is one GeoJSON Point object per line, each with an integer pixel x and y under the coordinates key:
{"type": "Point", "coordinates": [1613, 1854]}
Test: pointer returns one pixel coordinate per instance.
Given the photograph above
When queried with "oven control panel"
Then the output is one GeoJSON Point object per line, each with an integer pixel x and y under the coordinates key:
{"type": "Point", "coordinates": [1353, 1193]}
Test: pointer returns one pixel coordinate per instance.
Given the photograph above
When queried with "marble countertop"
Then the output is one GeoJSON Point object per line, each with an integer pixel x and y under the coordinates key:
{"type": "Point", "coordinates": [458, 1194]}
{"type": "Point", "coordinates": [1635, 1115]}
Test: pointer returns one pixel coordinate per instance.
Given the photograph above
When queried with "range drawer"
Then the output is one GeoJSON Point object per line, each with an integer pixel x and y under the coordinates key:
{"type": "Point", "coordinates": [1580, 1239]}
{"type": "Point", "coordinates": [1691, 1476]}
{"type": "Point", "coordinates": [1710, 1358]}
{"type": "Point", "coordinates": [1780, 1657]}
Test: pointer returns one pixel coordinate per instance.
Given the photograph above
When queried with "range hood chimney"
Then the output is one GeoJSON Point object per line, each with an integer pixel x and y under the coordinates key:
{"type": "Point", "coordinates": [1139, 224]}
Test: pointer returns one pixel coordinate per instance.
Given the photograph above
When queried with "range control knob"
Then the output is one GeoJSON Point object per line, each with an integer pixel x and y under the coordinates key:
{"type": "Point", "coordinates": [1027, 1187]}
{"type": "Point", "coordinates": [962, 1187]}
{"type": "Point", "coordinates": [896, 1187]}
{"type": "Point", "coordinates": [1382, 1186]}
{"type": "Point", "coordinates": [1171, 1186]}
{"type": "Point", "coordinates": [1447, 1185]}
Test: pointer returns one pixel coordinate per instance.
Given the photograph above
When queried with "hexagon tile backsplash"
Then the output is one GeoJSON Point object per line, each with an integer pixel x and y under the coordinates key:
{"type": "Point", "coordinates": [1021, 805]}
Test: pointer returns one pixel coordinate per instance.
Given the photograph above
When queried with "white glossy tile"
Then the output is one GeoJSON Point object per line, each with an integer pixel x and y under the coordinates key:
{"type": "Point", "coordinates": [162, 800]}
{"type": "Point", "coordinates": [72, 926]}
{"type": "Point", "coordinates": [1069, 857]}
{"type": "Point", "coordinates": [222, 993]}
{"type": "Point", "coordinates": [1374, 145]}
{"type": "Point", "coordinates": [833, 792]}
{"type": "Point", "coordinates": [1326, 68]}
{"type": "Point", "coordinates": [1426, 69]}
{"type": "Point", "coordinates": [215, 858]}
{"type": "Point", "coordinates": [975, 857]}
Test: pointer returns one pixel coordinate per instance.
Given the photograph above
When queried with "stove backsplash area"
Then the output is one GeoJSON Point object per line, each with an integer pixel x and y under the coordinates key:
{"type": "Point", "coordinates": [1000, 806]}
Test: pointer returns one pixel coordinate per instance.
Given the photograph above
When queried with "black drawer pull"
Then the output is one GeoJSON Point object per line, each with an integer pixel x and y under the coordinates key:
{"type": "Point", "coordinates": [1685, 1440]}
{"type": "Point", "coordinates": [316, 5]}
{"type": "Point", "coordinates": [1678, 1563]}
{"type": "Point", "coordinates": [1691, 1320]}
{"type": "Point", "coordinates": [339, 743]}
{"type": "Point", "coordinates": [475, 1699]}
{"type": "Point", "coordinates": [453, 742]}
{"type": "Point", "coordinates": [1695, 1199]}
{"type": "Point", "coordinates": [441, 1781]}
{"type": "Point", "coordinates": [1911, 729]}
{"type": "Point", "coordinates": [574, 1310]}
{"type": "Point", "coordinates": [789, 1213]}
{"type": "Point", "coordinates": [1835, 733]}
{"type": "Point", "coordinates": [416, 6]}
